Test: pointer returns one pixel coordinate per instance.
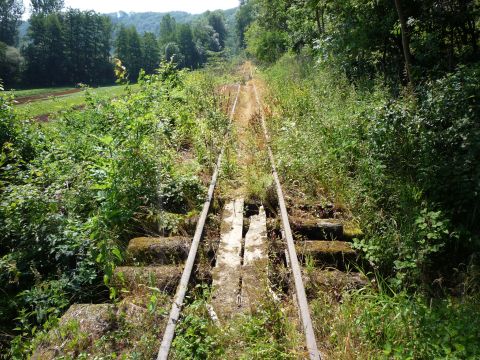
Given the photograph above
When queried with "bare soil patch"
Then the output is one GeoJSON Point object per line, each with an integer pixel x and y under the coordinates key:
{"type": "Point", "coordinates": [33, 98]}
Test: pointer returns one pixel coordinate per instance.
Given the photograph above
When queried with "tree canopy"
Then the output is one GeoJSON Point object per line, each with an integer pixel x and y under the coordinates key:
{"type": "Point", "coordinates": [365, 37]}
{"type": "Point", "coordinates": [11, 12]}
{"type": "Point", "coordinates": [68, 48]}
{"type": "Point", "coordinates": [47, 6]}
{"type": "Point", "coordinates": [10, 63]}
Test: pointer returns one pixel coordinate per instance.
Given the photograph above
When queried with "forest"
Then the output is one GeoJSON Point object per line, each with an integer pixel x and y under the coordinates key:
{"type": "Point", "coordinates": [69, 46]}
{"type": "Point", "coordinates": [373, 110]}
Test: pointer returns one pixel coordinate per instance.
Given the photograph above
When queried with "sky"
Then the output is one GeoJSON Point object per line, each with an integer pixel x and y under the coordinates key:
{"type": "Point", "coordinates": [108, 6]}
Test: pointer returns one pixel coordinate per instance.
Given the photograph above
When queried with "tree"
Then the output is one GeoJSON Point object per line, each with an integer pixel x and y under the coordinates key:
{"type": "Point", "coordinates": [46, 6]}
{"type": "Point", "coordinates": [205, 36]}
{"type": "Point", "coordinates": [303, 30]}
{"type": "Point", "coordinates": [168, 30]}
{"type": "Point", "coordinates": [405, 40]}
{"type": "Point", "coordinates": [206, 40]}
{"type": "Point", "coordinates": [217, 22]}
{"type": "Point", "coordinates": [10, 13]}
{"type": "Point", "coordinates": [187, 46]}
{"type": "Point", "coordinates": [266, 45]}
{"type": "Point", "coordinates": [244, 17]}
{"type": "Point", "coordinates": [318, 7]}
{"type": "Point", "coordinates": [135, 52]}
{"type": "Point", "coordinates": [121, 44]}
{"type": "Point", "coordinates": [151, 53]}
{"type": "Point", "coordinates": [128, 49]}
{"type": "Point", "coordinates": [10, 62]}
{"type": "Point", "coordinates": [172, 53]}
{"type": "Point", "coordinates": [267, 37]}
{"type": "Point", "coordinates": [68, 48]}
{"type": "Point", "coordinates": [368, 38]}
{"type": "Point", "coordinates": [45, 52]}
{"type": "Point", "coordinates": [92, 32]}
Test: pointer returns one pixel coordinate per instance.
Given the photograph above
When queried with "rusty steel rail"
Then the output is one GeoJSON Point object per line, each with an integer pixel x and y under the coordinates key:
{"type": "Point", "coordinates": [187, 271]}
{"type": "Point", "coordinates": [292, 254]}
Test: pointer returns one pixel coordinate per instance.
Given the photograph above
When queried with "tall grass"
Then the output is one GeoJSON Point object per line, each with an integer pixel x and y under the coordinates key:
{"type": "Point", "coordinates": [375, 158]}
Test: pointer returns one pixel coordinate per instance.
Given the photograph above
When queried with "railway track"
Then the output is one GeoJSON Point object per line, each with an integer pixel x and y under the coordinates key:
{"type": "Point", "coordinates": [291, 251]}
{"type": "Point", "coordinates": [187, 272]}
{"type": "Point", "coordinates": [256, 241]}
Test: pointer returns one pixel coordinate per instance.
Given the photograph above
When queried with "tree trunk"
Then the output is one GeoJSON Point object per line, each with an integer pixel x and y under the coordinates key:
{"type": "Point", "coordinates": [323, 17]}
{"type": "Point", "coordinates": [473, 35]}
{"type": "Point", "coordinates": [319, 24]}
{"type": "Point", "coordinates": [405, 40]}
{"type": "Point", "coordinates": [384, 61]}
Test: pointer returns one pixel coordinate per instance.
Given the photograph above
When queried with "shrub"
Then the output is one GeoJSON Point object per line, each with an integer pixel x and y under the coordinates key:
{"type": "Point", "coordinates": [434, 139]}
{"type": "Point", "coordinates": [402, 168]}
{"type": "Point", "coordinates": [74, 192]}
{"type": "Point", "coordinates": [10, 64]}
{"type": "Point", "coordinates": [266, 46]}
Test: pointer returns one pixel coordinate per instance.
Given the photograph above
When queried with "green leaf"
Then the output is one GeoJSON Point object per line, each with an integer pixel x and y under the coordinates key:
{"type": "Point", "coordinates": [99, 187]}
{"type": "Point", "coordinates": [117, 253]}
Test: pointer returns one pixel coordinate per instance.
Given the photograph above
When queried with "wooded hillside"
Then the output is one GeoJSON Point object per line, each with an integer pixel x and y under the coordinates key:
{"type": "Point", "coordinates": [79, 46]}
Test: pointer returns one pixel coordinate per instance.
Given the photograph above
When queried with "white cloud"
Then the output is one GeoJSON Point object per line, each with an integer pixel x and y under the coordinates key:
{"type": "Point", "coordinates": [107, 6]}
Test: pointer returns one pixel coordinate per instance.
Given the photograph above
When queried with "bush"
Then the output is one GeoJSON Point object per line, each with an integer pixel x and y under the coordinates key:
{"type": "Point", "coordinates": [402, 168]}
{"type": "Point", "coordinates": [266, 46]}
{"type": "Point", "coordinates": [10, 64]}
{"type": "Point", "coordinates": [429, 143]}
{"type": "Point", "coordinates": [434, 139]}
{"type": "Point", "coordinates": [74, 192]}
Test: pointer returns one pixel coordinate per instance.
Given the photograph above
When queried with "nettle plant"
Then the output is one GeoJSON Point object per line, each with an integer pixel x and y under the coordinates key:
{"type": "Point", "coordinates": [416, 253]}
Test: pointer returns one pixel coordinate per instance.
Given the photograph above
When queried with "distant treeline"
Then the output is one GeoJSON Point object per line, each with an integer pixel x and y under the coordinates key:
{"type": "Point", "coordinates": [188, 45]}
{"type": "Point", "coordinates": [66, 47]}
{"type": "Point", "coordinates": [150, 21]}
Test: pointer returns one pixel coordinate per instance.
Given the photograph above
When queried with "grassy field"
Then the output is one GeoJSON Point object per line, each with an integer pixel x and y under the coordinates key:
{"type": "Point", "coordinates": [37, 92]}
{"type": "Point", "coordinates": [55, 104]}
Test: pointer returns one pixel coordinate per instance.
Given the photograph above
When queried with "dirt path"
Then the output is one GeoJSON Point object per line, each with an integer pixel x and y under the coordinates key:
{"type": "Point", "coordinates": [248, 140]}
{"type": "Point", "coordinates": [34, 98]}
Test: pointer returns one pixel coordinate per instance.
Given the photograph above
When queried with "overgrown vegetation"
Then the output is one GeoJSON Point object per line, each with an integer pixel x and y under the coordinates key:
{"type": "Point", "coordinates": [373, 107]}
{"type": "Point", "coordinates": [75, 191]}
{"type": "Point", "coordinates": [404, 170]}
{"type": "Point", "coordinates": [371, 325]}
{"type": "Point", "coordinates": [376, 110]}
{"type": "Point", "coordinates": [86, 338]}
{"type": "Point", "coordinates": [265, 334]}
{"type": "Point", "coordinates": [403, 166]}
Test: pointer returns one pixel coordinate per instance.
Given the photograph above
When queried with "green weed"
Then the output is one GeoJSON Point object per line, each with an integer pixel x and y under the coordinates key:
{"type": "Point", "coordinates": [73, 192]}
{"type": "Point", "coordinates": [197, 336]}
{"type": "Point", "coordinates": [268, 333]}
{"type": "Point", "coordinates": [385, 161]}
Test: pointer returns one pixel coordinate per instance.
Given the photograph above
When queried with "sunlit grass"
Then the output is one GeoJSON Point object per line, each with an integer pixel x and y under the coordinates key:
{"type": "Point", "coordinates": [56, 104]}
{"type": "Point", "coordinates": [37, 92]}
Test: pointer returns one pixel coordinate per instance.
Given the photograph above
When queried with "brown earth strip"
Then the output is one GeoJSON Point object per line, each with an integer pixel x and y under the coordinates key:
{"type": "Point", "coordinates": [34, 98]}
